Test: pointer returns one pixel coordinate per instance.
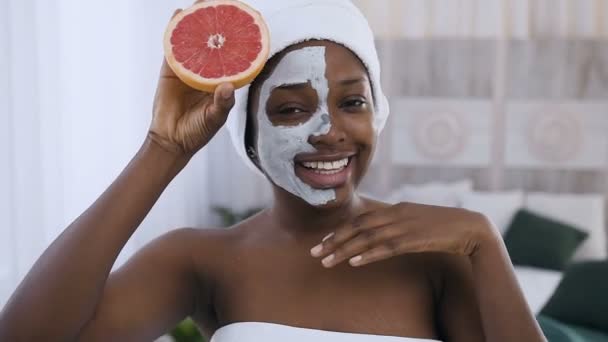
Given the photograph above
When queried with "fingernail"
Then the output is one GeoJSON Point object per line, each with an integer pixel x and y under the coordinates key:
{"type": "Point", "coordinates": [316, 250]}
{"type": "Point", "coordinates": [355, 260]}
{"type": "Point", "coordinates": [327, 261]}
{"type": "Point", "coordinates": [226, 93]}
{"type": "Point", "coordinates": [328, 236]}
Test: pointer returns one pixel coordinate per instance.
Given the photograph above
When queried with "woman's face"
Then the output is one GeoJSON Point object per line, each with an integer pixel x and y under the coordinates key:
{"type": "Point", "coordinates": [312, 123]}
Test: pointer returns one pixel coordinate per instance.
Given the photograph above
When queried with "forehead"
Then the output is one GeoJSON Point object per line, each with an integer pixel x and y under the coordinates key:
{"type": "Point", "coordinates": [340, 62]}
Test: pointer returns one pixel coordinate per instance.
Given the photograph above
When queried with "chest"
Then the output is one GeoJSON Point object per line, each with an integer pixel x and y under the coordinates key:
{"type": "Point", "coordinates": [393, 297]}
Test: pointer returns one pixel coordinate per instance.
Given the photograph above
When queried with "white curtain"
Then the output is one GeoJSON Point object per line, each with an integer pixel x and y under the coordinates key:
{"type": "Point", "coordinates": [77, 80]}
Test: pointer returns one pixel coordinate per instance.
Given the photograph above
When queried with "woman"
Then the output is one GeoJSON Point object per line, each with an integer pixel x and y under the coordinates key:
{"type": "Point", "coordinates": [321, 264]}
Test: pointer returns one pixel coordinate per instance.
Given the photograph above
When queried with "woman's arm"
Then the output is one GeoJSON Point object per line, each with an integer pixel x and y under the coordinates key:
{"type": "Point", "coordinates": [504, 312]}
{"type": "Point", "coordinates": [61, 292]}
{"type": "Point", "coordinates": [482, 291]}
{"type": "Point", "coordinates": [458, 313]}
{"type": "Point", "coordinates": [152, 292]}
{"type": "Point", "coordinates": [67, 293]}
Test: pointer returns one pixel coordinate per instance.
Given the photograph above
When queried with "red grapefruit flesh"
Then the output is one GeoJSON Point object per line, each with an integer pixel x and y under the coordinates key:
{"type": "Point", "coordinates": [217, 41]}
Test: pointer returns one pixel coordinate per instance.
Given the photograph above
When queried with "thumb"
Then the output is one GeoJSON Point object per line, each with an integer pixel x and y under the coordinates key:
{"type": "Point", "coordinates": [223, 100]}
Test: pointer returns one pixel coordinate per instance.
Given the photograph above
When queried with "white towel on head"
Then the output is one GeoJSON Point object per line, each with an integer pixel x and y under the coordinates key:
{"type": "Point", "coordinates": [294, 21]}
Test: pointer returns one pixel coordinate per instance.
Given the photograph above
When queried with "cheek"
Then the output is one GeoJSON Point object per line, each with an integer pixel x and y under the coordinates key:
{"type": "Point", "coordinates": [363, 135]}
{"type": "Point", "coordinates": [283, 143]}
{"type": "Point", "coordinates": [361, 129]}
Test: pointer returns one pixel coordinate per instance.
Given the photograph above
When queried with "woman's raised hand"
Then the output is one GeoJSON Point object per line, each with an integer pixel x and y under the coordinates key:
{"type": "Point", "coordinates": [407, 228]}
{"type": "Point", "coordinates": [185, 119]}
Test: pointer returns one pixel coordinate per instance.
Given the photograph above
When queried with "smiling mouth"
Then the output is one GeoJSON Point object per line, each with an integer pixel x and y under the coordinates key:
{"type": "Point", "coordinates": [326, 167]}
{"type": "Point", "coordinates": [326, 174]}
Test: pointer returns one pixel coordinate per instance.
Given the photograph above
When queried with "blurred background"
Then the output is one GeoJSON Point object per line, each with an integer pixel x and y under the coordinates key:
{"type": "Point", "coordinates": [497, 106]}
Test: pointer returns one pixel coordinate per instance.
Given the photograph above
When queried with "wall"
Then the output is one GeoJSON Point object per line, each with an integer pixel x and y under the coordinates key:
{"type": "Point", "coordinates": [509, 93]}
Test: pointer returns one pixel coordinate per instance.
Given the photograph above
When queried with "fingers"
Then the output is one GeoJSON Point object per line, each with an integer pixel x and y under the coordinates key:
{"type": "Point", "coordinates": [347, 232]}
{"type": "Point", "coordinates": [375, 254]}
{"type": "Point", "coordinates": [384, 251]}
{"type": "Point", "coordinates": [385, 228]}
{"type": "Point", "coordinates": [387, 236]}
{"type": "Point", "coordinates": [223, 101]}
{"type": "Point", "coordinates": [223, 98]}
{"type": "Point", "coordinates": [364, 222]}
{"type": "Point", "coordinates": [176, 12]}
{"type": "Point", "coordinates": [166, 71]}
{"type": "Point", "coordinates": [400, 229]}
{"type": "Point", "coordinates": [387, 242]}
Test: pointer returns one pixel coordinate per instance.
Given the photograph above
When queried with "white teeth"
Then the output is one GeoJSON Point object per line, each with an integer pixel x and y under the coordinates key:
{"type": "Point", "coordinates": [331, 167]}
{"type": "Point", "coordinates": [310, 165]}
{"type": "Point", "coordinates": [325, 172]}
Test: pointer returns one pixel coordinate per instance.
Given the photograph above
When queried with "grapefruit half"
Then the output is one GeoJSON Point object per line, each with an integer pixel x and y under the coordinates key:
{"type": "Point", "coordinates": [217, 41]}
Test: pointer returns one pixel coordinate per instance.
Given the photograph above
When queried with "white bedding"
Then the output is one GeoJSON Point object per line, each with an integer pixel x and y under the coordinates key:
{"type": "Point", "coordinates": [537, 284]}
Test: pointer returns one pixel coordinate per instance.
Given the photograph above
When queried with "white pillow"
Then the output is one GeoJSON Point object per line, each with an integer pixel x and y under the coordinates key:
{"type": "Point", "coordinates": [499, 207]}
{"type": "Point", "coordinates": [537, 285]}
{"type": "Point", "coordinates": [583, 211]}
{"type": "Point", "coordinates": [435, 193]}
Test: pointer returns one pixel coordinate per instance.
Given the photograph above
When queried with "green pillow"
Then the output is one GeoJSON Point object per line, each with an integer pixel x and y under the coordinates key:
{"type": "Point", "coordinates": [557, 331]}
{"type": "Point", "coordinates": [535, 240]}
{"type": "Point", "coordinates": [581, 297]}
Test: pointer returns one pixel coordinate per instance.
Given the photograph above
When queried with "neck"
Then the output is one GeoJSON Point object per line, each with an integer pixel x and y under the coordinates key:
{"type": "Point", "coordinates": [303, 220]}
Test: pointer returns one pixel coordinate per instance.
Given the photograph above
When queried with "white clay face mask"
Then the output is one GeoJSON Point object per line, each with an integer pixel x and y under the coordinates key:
{"type": "Point", "coordinates": [278, 145]}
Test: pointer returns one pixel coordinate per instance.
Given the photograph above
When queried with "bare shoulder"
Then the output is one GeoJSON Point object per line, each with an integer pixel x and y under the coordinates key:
{"type": "Point", "coordinates": [374, 204]}
{"type": "Point", "coordinates": [184, 241]}
{"type": "Point", "coordinates": [190, 249]}
{"type": "Point", "coordinates": [196, 241]}
{"type": "Point", "coordinates": [209, 248]}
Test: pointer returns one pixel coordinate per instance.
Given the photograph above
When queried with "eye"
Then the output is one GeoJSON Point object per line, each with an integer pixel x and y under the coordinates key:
{"type": "Point", "coordinates": [354, 103]}
{"type": "Point", "coordinates": [291, 110]}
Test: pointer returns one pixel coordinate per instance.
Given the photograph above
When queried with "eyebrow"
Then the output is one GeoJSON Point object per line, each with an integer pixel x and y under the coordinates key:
{"type": "Point", "coordinates": [293, 86]}
{"type": "Point", "coordinates": [351, 81]}
{"type": "Point", "coordinates": [297, 86]}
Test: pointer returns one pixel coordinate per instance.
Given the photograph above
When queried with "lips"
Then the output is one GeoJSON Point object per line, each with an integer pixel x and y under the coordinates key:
{"type": "Point", "coordinates": [324, 171]}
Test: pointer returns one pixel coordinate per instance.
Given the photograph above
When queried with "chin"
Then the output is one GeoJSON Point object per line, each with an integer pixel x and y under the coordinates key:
{"type": "Point", "coordinates": [344, 196]}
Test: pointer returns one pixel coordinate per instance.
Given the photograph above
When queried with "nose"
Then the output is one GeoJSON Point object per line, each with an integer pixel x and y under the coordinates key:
{"type": "Point", "coordinates": [332, 132]}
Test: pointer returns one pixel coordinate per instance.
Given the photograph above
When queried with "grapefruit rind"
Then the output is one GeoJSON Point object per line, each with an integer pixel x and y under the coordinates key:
{"type": "Point", "coordinates": [238, 80]}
